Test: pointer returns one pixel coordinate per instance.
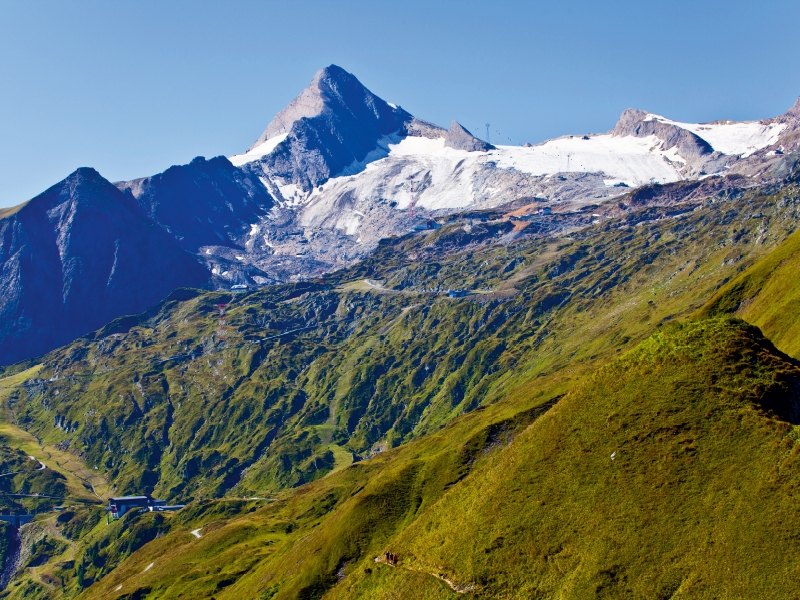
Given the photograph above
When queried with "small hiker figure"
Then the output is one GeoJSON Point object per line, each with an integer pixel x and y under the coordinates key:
{"type": "Point", "coordinates": [387, 557]}
{"type": "Point", "coordinates": [394, 560]}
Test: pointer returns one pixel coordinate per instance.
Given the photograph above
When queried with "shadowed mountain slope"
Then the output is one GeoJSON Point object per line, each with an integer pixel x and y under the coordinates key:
{"type": "Point", "coordinates": [77, 256]}
{"type": "Point", "coordinates": [204, 203]}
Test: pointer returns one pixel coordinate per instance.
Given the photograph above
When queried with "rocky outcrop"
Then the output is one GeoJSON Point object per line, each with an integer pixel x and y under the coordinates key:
{"type": "Point", "coordinates": [794, 111]}
{"type": "Point", "coordinates": [634, 122]}
{"type": "Point", "coordinates": [77, 256]}
{"type": "Point", "coordinates": [204, 203]}
{"type": "Point", "coordinates": [419, 128]}
{"type": "Point", "coordinates": [460, 139]}
{"type": "Point", "coordinates": [789, 140]}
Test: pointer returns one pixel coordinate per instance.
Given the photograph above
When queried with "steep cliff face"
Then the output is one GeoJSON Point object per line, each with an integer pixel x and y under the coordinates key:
{"type": "Point", "coordinates": [77, 256]}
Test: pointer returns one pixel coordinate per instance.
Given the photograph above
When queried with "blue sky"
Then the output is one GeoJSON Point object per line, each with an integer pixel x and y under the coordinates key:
{"type": "Point", "coordinates": [131, 88]}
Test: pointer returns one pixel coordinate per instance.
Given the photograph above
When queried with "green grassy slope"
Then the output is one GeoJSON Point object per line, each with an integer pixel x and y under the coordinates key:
{"type": "Point", "coordinates": [303, 543]}
{"type": "Point", "coordinates": [311, 376]}
{"type": "Point", "coordinates": [699, 499]}
{"type": "Point", "coordinates": [768, 295]}
{"type": "Point", "coordinates": [662, 476]}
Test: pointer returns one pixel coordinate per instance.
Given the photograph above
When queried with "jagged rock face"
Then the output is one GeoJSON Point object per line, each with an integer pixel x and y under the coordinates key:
{"type": "Point", "coordinates": [77, 256]}
{"type": "Point", "coordinates": [332, 124]}
{"type": "Point", "coordinates": [632, 122]}
{"type": "Point", "coordinates": [419, 128]}
{"type": "Point", "coordinates": [460, 139]}
{"type": "Point", "coordinates": [207, 202]}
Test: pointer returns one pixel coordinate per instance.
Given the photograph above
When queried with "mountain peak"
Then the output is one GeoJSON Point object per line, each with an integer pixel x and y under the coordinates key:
{"type": "Point", "coordinates": [333, 72]}
{"type": "Point", "coordinates": [335, 91]}
{"type": "Point", "coordinates": [628, 118]}
{"type": "Point", "coordinates": [634, 122]}
{"type": "Point", "coordinates": [334, 123]}
{"type": "Point", "coordinates": [83, 176]}
{"type": "Point", "coordinates": [86, 172]}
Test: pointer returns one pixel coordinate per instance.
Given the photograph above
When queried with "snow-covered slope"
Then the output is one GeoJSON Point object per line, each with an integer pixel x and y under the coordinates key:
{"type": "Point", "coordinates": [730, 137]}
{"type": "Point", "coordinates": [636, 161]}
{"type": "Point", "coordinates": [448, 178]}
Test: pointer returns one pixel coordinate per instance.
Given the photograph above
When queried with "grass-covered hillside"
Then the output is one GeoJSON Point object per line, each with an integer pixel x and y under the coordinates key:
{"type": "Point", "coordinates": [669, 473]}
{"type": "Point", "coordinates": [307, 378]}
{"type": "Point", "coordinates": [767, 294]}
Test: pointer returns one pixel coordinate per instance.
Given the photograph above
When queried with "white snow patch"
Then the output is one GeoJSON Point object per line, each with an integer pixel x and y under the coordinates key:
{"type": "Point", "coordinates": [240, 257]}
{"type": "Point", "coordinates": [254, 229]}
{"type": "Point", "coordinates": [349, 222]}
{"type": "Point", "coordinates": [196, 533]}
{"type": "Point", "coordinates": [673, 156]}
{"type": "Point", "coordinates": [148, 567]}
{"type": "Point", "coordinates": [731, 137]}
{"type": "Point", "coordinates": [631, 159]}
{"type": "Point", "coordinates": [292, 194]}
{"type": "Point", "coordinates": [259, 151]}
{"type": "Point", "coordinates": [446, 178]}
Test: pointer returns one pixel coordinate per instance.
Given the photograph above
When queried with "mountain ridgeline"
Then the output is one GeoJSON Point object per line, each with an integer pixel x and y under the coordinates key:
{"type": "Point", "coordinates": [589, 393]}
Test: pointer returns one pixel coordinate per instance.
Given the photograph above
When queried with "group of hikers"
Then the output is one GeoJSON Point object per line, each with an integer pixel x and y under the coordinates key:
{"type": "Point", "coordinates": [391, 559]}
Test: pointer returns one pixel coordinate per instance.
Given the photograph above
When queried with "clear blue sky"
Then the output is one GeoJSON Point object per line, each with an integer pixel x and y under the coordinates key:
{"type": "Point", "coordinates": [133, 87]}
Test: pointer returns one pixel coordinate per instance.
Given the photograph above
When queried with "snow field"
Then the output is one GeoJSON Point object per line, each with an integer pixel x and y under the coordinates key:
{"type": "Point", "coordinates": [730, 138]}
{"type": "Point", "coordinates": [259, 151]}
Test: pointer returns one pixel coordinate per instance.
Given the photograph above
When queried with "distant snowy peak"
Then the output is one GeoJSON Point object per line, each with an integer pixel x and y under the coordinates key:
{"type": "Point", "coordinates": [334, 123]}
{"type": "Point", "coordinates": [730, 137]}
{"type": "Point", "coordinates": [334, 91]}
{"type": "Point", "coordinates": [637, 123]}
